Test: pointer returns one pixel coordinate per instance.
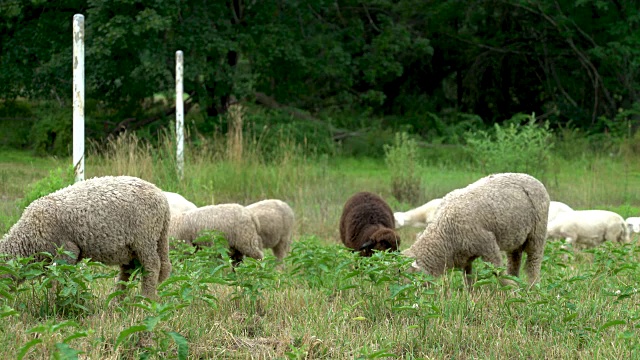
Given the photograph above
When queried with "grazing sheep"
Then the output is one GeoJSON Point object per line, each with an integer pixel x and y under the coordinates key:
{"type": "Point", "coordinates": [276, 220]}
{"type": "Point", "coordinates": [236, 223]}
{"type": "Point", "coordinates": [589, 228]}
{"type": "Point", "coordinates": [556, 208]}
{"type": "Point", "coordinates": [505, 212]}
{"type": "Point", "coordinates": [113, 220]}
{"type": "Point", "coordinates": [633, 223]}
{"type": "Point", "coordinates": [367, 224]}
{"type": "Point", "coordinates": [418, 217]}
{"type": "Point", "coordinates": [178, 203]}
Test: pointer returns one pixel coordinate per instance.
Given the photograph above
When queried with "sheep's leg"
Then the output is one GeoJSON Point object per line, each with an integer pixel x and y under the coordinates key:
{"type": "Point", "coordinates": [151, 263]}
{"type": "Point", "coordinates": [535, 252]}
{"type": "Point", "coordinates": [513, 262]}
{"type": "Point", "coordinates": [126, 270]}
{"type": "Point", "coordinates": [72, 248]}
{"type": "Point", "coordinates": [235, 256]}
{"type": "Point", "coordinates": [165, 263]}
{"type": "Point", "coordinates": [282, 248]}
{"type": "Point", "coordinates": [468, 276]}
{"type": "Point", "coordinates": [492, 254]}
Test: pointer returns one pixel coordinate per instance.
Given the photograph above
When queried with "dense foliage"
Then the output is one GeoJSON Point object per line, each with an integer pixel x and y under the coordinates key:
{"type": "Point", "coordinates": [418, 65]}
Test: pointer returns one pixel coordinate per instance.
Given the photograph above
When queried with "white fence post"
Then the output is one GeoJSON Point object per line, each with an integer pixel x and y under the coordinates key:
{"type": "Point", "coordinates": [179, 115]}
{"type": "Point", "coordinates": [78, 96]}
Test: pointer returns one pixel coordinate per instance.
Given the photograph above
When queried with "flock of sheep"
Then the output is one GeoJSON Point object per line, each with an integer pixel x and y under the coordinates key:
{"type": "Point", "coordinates": [117, 220]}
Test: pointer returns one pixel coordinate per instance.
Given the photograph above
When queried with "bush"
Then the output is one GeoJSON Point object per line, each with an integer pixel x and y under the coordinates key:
{"type": "Point", "coordinates": [57, 179]}
{"type": "Point", "coordinates": [512, 147]}
{"type": "Point", "coordinates": [53, 133]}
{"type": "Point", "coordinates": [402, 160]}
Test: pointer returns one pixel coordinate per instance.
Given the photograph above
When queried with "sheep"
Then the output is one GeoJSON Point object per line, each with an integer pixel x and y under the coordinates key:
{"type": "Point", "coordinates": [178, 203]}
{"type": "Point", "coordinates": [238, 225]}
{"type": "Point", "coordinates": [276, 220]}
{"type": "Point", "coordinates": [367, 224]}
{"type": "Point", "coordinates": [633, 224]}
{"type": "Point", "coordinates": [556, 208]}
{"type": "Point", "coordinates": [505, 212]}
{"type": "Point", "coordinates": [418, 217]}
{"type": "Point", "coordinates": [114, 220]}
{"type": "Point", "coordinates": [589, 228]}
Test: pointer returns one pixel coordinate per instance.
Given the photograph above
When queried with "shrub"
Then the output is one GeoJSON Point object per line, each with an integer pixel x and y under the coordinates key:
{"type": "Point", "coordinates": [57, 179]}
{"type": "Point", "coordinates": [512, 147]}
{"type": "Point", "coordinates": [402, 160]}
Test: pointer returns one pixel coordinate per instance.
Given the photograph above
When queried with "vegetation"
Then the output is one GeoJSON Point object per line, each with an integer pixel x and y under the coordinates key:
{"type": "Point", "coordinates": [349, 72]}
{"type": "Point", "coordinates": [325, 302]}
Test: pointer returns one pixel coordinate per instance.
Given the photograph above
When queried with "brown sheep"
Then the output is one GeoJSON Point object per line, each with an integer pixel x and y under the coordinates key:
{"type": "Point", "coordinates": [367, 224]}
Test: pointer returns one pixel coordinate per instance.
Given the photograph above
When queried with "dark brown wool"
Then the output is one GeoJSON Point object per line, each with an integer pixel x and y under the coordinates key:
{"type": "Point", "coordinates": [367, 224]}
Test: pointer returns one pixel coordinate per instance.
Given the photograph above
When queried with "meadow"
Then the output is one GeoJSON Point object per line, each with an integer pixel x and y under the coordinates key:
{"type": "Point", "coordinates": [324, 301]}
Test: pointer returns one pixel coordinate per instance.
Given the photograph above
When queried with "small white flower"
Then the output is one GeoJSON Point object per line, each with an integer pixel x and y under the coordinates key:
{"type": "Point", "coordinates": [617, 292]}
{"type": "Point", "coordinates": [415, 306]}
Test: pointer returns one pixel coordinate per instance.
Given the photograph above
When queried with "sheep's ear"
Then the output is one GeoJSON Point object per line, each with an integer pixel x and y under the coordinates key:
{"type": "Point", "coordinates": [367, 245]}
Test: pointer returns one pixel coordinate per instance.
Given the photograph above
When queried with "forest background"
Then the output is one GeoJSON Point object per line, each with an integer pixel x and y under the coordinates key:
{"type": "Point", "coordinates": [338, 76]}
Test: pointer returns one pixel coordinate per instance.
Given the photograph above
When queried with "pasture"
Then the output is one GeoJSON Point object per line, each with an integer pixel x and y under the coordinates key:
{"type": "Point", "coordinates": [324, 302]}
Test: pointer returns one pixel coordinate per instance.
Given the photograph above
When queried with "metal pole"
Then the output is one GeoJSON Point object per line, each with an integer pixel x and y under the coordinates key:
{"type": "Point", "coordinates": [179, 114]}
{"type": "Point", "coordinates": [78, 96]}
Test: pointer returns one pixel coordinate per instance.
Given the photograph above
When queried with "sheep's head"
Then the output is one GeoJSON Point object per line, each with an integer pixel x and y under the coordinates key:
{"type": "Point", "coordinates": [381, 239]}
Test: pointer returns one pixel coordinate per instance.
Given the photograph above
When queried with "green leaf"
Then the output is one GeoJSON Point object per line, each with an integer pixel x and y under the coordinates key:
{"type": "Point", "coordinates": [570, 317]}
{"type": "Point", "coordinates": [25, 348]}
{"type": "Point", "coordinates": [66, 352]}
{"type": "Point", "coordinates": [128, 331]}
{"type": "Point", "coordinates": [181, 342]}
{"type": "Point", "coordinates": [151, 322]}
{"type": "Point", "coordinates": [76, 335]}
{"type": "Point", "coordinates": [514, 300]}
{"type": "Point", "coordinates": [611, 323]}
{"type": "Point", "coordinates": [7, 311]}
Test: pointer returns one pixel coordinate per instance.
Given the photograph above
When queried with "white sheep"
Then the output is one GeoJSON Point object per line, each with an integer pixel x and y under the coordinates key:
{"type": "Point", "coordinates": [418, 217]}
{"type": "Point", "coordinates": [234, 221]}
{"type": "Point", "coordinates": [178, 203]}
{"type": "Point", "coordinates": [505, 212]}
{"type": "Point", "coordinates": [589, 228]}
{"type": "Point", "coordinates": [556, 208]}
{"type": "Point", "coordinates": [276, 220]}
{"type": "Point", "coordinates": [633, 223]}
{"type": "Point", "coordinates": [112, 220]}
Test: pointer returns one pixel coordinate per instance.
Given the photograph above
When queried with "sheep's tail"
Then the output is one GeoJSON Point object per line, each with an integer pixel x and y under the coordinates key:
{"type": "Point", "coordinates": [163, 248]}
{"type": "Point", "coordinates": [624, 234]}
{"type": "Point", "coordinates": [256, 222]}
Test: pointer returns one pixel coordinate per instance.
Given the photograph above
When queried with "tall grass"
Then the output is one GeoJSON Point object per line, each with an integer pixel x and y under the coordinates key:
{"type": "Point", "coordinates": [325, 302]}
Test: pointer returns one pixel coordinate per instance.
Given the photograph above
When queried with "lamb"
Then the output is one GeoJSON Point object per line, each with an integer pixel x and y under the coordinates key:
{"type": "Point", "coordinates": [505, 212]}
{"type": "Point", "coordinates": [633, 223]}
{"type": "Point", "coordinates": [238, 225]}
{"type": "Point", "coordinates": [367, 224]}
{"type": "Point", "coordinates": [178, 203]}
{"type": "Point", "coordinates": [589, 228]}
{"type": "Point", "coordinates": [418, 217]}
{"type": "Point", "coordinates": [276, 220]}
{"type": "Point", "coordinates": [115, 220]}
{"type": "Point", "coordinates": [556, 208]}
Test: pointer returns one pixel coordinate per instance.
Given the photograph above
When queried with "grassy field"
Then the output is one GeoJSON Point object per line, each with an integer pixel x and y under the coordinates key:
{"type": "Point", "coordinates": [325, 302]}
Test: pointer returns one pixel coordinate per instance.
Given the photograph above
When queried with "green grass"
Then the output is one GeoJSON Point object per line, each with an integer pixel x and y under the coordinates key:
{"type": "Point", "coordinates": [325, 302]}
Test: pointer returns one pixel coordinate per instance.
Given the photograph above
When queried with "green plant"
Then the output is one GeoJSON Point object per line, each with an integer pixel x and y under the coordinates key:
{"type": "Point", "coordinates": [513, 147]}
{"type": "Point", "coordinates": [47, 335]}
{"type": "Point", "coordinates": [403, 163]}
{"type": "Point", "coordinates": [150, 331]}
{"type": "Point", "coordinates": [56, 180]}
